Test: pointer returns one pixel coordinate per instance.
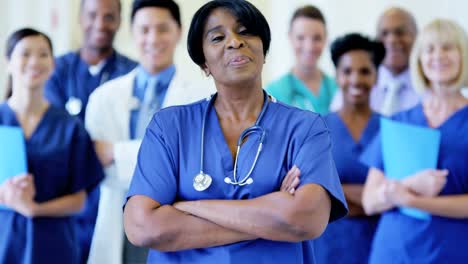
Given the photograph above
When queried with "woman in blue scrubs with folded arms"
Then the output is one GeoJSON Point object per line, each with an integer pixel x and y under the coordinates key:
{"type": "Point", "coordinates": [352, 129]}
{"type": "Point", "coordinates": [207, 185]}
{"type": "Point", "coordinates": [37, 226]}
{"type": "Point", "coordinates": [439, 64]}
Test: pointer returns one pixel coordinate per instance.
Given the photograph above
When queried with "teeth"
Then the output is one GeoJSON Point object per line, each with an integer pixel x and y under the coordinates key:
{"type": "Point", "coordinates": [440, 65]}
{"type": "Point", "coordinates": [355, 91]}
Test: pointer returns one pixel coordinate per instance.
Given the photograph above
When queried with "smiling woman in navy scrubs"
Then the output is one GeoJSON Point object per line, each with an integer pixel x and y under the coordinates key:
{"type": "Point", "coordinates": [62, 165]}
{"type": "Point", "coordinates": [439, 63]}
{"type": "Point", "coordinates": [352, 128]}
{"type": "Point", "coordinates": [195, 197]}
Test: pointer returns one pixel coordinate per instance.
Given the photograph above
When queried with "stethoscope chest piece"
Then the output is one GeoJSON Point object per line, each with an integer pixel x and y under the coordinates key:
{"type": "Point", "coordinates": [202, 181]}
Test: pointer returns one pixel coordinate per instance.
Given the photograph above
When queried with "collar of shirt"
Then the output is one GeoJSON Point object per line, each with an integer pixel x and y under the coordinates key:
{"type": "Point", "coordinates": [407, 97]}
{"type": "Point", "coordinates": [164, 77]}
{"type": "Point", "coordinates": [385, 77]}
{"type": "Point", "coordinates": [96, 69]}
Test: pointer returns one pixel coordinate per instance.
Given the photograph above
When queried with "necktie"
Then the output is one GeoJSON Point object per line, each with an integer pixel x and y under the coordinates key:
{"type": "Point", "coordinates": [390, 103]}
{"type": "Point", "coordinates": [148, 107]}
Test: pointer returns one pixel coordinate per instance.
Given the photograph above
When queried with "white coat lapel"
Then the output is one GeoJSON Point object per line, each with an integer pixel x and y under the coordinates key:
{"type": "Point", "coordinates": [175, 91]}
{"type": "Point", "coordinates": [127, 104]}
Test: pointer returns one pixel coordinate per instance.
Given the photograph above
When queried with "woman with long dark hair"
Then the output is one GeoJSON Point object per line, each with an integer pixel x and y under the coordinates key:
{"type": "Point", "coordinates": [37, 206]}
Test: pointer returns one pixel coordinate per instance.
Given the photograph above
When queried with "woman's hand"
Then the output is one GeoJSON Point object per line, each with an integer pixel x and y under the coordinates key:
{"type": "Point", "coordinates": [291, 181]}
{"type": "Point", "coordinates": [104, 151]}
{"type": "Point", "coordinates": [18, 194]}
{"type": "Point", "coordinates": [427, 183]}
{"type": "Point", "coordinates": [396, 193]}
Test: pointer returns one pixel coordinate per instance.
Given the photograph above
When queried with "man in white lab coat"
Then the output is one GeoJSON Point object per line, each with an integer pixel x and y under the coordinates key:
{"type": "Point", "coordinates": [119, 111]}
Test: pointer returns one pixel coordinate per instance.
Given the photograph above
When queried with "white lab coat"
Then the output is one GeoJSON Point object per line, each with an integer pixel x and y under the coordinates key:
{"type": "Point", "coordinates": [108, 119]}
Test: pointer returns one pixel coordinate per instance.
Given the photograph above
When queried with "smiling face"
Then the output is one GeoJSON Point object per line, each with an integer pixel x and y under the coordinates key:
{"type": "Point", "coordinates": [99, 20]}
{"type": "Point", "coordinates": [156, 34]}
{"type": "Point", "coordinates": [441, 62]}
{"type": "Point", "coordinates": [356, 75]}
{"type": "Point", "coordinates": [397, 32]}
{"type": "Point", "coordinates": [232, 53]}
{"type": "Point", "coordinates": [308, 38]}
{"type": "Point", "coordinates": [31, 62]}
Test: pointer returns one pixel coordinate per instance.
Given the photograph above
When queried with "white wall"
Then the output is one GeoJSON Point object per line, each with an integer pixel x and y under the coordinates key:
{"type": "Point", "coordinates": [59, 18]}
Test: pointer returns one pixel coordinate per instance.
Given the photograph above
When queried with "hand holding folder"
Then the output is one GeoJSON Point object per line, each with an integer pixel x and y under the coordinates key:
{"type": "Point", "coordinates": [12, 153]}
{"type": "Point", "coordinates": [408, 149]}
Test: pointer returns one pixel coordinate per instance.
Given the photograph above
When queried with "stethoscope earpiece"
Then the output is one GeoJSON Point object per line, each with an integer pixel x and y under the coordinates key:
{"type": "Point", "coordinates": [247, 182]}
{"type": "Point", "coordinates": [227, 180]}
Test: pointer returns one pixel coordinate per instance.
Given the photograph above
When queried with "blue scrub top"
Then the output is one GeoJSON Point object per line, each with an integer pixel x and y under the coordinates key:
{"type": "Point", "coordinates": [169, 159]}
{"type": "Point", "coordinates": [61, 158]}
{"type": "Point", "coordinates": [291, 90]}
{"type": "Point", "coordinates": [71, 78]}
{"type": "Point", "coordinates": [348, 240]}
{"type": "Point", "coordinates": [403, 239]}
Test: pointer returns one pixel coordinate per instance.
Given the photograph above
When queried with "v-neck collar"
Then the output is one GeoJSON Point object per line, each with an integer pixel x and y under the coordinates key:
{"type": "Point", "coordinates": [443, 124]}
{"type": "Point", "coordinates": [302, 88]}
{"type": "Point", "coordinates": [38, 126]}
{"type": "Point", "coordinates": [365, 132]}
{"type": "Point", "coordinates": [221, 142]}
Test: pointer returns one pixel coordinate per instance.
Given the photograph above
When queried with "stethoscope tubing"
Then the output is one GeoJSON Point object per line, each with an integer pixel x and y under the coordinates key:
{"type": "Point", "coordinates": [244, 134]}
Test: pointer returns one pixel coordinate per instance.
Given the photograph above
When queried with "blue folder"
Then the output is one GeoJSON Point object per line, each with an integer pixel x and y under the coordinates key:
{"type": "Point", "coordinates": [12, 153]}
{"type": "Point", "coordinates": [408, 149]}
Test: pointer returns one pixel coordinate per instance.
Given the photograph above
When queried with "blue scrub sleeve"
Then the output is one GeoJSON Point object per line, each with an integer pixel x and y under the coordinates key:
{"type": "Point", "coordinates": [86, 170]}
{"type": "Point", "coordinates": [372, 155]}
{"type": "Point", "coordinates": [155, 172]}
{"type": "Point", "coordinates": [315, 161]}
{"type": "Point", "coordinates": [53, 91]}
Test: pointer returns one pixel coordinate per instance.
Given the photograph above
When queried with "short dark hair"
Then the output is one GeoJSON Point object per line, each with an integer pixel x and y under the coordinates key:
{"type": "Point", "coordinates": [248, 15]}
{"type": "Point", "coordinates": [170, 5]}
{"type": "Point", "coordinates": [308, 11]}
{"type": "Point", "coordinates": [13, 40]}
{"type": "Point", "coordinates": [118, 3]}
{"type": "Point", "coordinates": [356, 41]}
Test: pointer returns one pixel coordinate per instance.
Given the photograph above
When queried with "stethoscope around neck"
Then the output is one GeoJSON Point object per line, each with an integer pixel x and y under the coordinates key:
{"type": "Point", "coordinates": [202, 180]}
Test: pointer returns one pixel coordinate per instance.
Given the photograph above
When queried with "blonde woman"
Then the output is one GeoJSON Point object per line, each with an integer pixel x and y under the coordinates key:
{"type": "Point", "coordinates": [438, 61]}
